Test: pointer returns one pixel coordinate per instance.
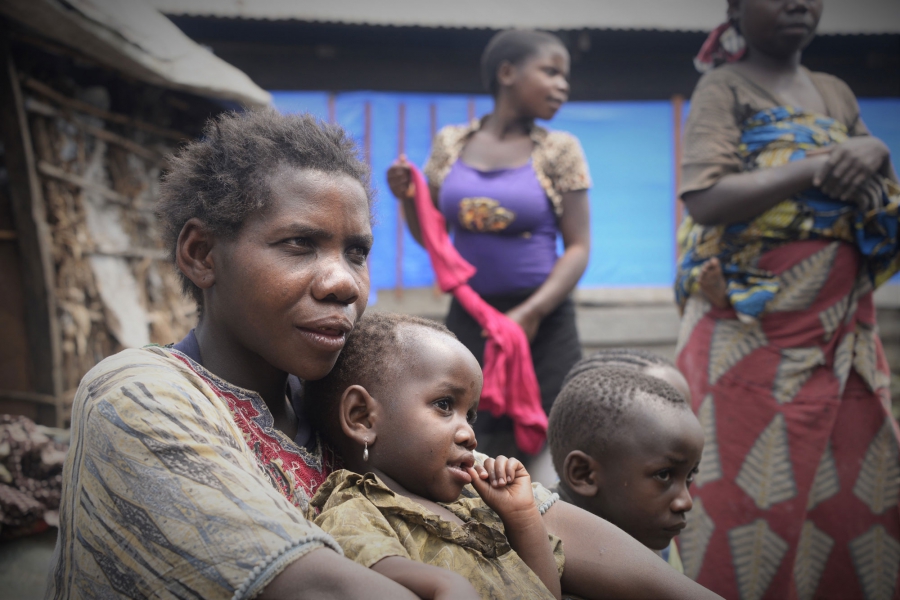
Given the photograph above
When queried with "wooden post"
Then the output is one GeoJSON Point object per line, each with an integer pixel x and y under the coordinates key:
{"type": "Point", "coordinates": [33, 234]}
{"type": "Point", "coordinates": [332, 108]}
{"type": "Point", "coordinates": [677, 118]}
{"type": "Point", "coordinates": [471, 107]}
{"type": "Point", "coordinates": [401, 149]}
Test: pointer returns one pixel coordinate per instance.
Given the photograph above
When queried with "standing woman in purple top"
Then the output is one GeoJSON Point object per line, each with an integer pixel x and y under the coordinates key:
{"type": "Point", "coordinates": [507, 188]}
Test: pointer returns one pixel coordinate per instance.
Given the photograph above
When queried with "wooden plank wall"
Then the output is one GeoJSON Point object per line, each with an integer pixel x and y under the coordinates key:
{"type": "Point", "coordinates": [33, 238]}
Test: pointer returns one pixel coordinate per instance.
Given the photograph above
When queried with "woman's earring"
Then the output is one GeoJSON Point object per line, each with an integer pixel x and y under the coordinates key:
{"type": "Point", "coordinates": [366, 450]}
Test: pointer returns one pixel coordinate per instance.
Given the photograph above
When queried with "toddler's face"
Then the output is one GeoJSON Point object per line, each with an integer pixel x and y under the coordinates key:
{"type": "Point", "coordinates": [426, 441]}
{"type": "Point", "coordinates": [646, 479]}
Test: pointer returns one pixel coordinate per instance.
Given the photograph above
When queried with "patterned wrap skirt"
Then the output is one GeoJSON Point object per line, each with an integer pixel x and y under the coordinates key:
{"type": "Point", "coordinates": [797, 495]}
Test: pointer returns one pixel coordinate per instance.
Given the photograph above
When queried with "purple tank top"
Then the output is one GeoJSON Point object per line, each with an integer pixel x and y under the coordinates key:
{"type": "Point", "coordinates": [503, 223]}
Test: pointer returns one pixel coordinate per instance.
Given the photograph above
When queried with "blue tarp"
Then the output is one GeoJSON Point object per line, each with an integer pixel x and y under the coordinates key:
{"type": "Point", "coordinates": [629, 146]}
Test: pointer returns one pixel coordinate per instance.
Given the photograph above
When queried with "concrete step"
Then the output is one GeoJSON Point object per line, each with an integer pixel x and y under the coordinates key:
{"type": "Point", "coordinates": [646, 317]}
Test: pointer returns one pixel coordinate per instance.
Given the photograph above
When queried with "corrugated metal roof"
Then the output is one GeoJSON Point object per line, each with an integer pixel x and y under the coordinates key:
{"type": "Point", "coordinates": [840, 16]}
{"type": "Point", "coordinates": [133, 37]}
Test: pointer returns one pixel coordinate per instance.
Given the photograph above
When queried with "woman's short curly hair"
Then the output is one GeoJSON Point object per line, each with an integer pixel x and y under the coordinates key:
{"type": "Point", "coordinates": [223, 177]}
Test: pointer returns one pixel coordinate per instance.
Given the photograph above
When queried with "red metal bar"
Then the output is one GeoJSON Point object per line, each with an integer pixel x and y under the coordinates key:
{"type": "Point", "coordinates": [367, 132]}
{"type": "Point", "coordinates": [432, 121]}
{"type": "Point", "coordinates": [401, 149]}
{"type": "Point", "coordinates": [471, 109]}
{"type": "Point", "coordinates": [677, 118]}
{"type": "Point", "coordinates": [332, 108]}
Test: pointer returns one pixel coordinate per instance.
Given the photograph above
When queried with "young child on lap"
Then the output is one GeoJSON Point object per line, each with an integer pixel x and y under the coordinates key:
{"type": "Point", "coordinates": [398, 407]}
{"type": "Point", "coordinates": [626, 446]}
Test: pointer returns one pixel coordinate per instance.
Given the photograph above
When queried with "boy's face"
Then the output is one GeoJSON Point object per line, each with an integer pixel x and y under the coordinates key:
{"type": "Point", "coordinates": [645, 479]}
{"type": "Point", "coordinates": [425, 441]}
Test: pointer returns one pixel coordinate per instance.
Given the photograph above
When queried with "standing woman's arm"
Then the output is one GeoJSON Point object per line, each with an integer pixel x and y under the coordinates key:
{"type": "Point", "coordinates": [716, 190]}
{"type": "Point", "coordinates": [575, 227]}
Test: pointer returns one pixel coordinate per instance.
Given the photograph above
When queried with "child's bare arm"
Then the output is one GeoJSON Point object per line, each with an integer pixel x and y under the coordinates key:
{"type": "Point", "coordinates": [506, 488]}
{"type": "Point", "coordinates": [425, 581]}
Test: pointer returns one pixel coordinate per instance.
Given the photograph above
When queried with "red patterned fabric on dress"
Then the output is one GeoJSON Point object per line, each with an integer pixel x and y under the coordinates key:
{"type": "Point", "coordinates": [797, 495]}
{"type": "Point", "coordinates": [293, 471]}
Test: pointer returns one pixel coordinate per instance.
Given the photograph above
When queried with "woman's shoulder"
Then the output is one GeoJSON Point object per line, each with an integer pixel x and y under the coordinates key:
{"type": "Point", "coordinates": [724, 76]}
{"type": "Point", "coordinates": [445, 149]}
{"type": "Point", "coordinates": [155, 371]}
{"type": "Point", "coordinates": [834, 87]}
{"type": "Point", "coordinates": [558, 156]}
{"type": "Point", "coordinates": [150, 361]}
{"type": "Point", "coordinates": [562, 148]}
{"type": "Point", "coordinates": [829, 81]}
{"type": "Point", "coordinates": [558, 138]}
{"type": "Point", "coordinates": [455, 134]}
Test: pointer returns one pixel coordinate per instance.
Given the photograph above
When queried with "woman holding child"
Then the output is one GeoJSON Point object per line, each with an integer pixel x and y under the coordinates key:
{"type": "Point", "coordinates": [798, 487]}
{"type": "Point", "coordinates": [192, 467]}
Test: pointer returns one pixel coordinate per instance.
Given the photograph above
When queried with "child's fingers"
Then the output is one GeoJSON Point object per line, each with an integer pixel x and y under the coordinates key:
{"type": "Point", "coordinates": [480, 471]}
{"type": "Point", "coordinates": [511, 467]}
{"type": "Point", "coordinates": [498, 474]}
{"type": "Point", "coordinates": [478, 482]}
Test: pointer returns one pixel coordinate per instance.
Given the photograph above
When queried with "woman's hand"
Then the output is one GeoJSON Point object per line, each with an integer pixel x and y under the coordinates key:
{"type": "Point", "coordinates": [526, 319]}
{"type": "Point", "coordinates": [505, 486]}
{"type": "Point", "coordinates": [399, 179]}
{"type": "Point", "coordinates": [848, 166]}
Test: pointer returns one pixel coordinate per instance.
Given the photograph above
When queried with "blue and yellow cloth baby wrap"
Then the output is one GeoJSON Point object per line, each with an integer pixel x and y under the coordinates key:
{"type": "Point", "coordinates": [773, 138]}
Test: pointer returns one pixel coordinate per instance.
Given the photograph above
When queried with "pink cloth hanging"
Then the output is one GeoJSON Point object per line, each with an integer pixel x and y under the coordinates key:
{"type": "Point", "coordinates": [510, 385]}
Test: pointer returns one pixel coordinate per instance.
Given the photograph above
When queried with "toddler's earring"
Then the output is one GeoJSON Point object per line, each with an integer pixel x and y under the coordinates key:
{"type": "Point", "coordinates": [366, 450]}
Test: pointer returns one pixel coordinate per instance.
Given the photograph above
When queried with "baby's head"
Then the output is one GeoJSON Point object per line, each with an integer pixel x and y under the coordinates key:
{"type": "Point", "coordinates": [626, 446]}
{"type": "Point", "coordinates": [400, 402]}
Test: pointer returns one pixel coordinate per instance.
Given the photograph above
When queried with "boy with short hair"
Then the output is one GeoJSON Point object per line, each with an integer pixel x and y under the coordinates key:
{"type": "Point", "coordinates": [626, 447]}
